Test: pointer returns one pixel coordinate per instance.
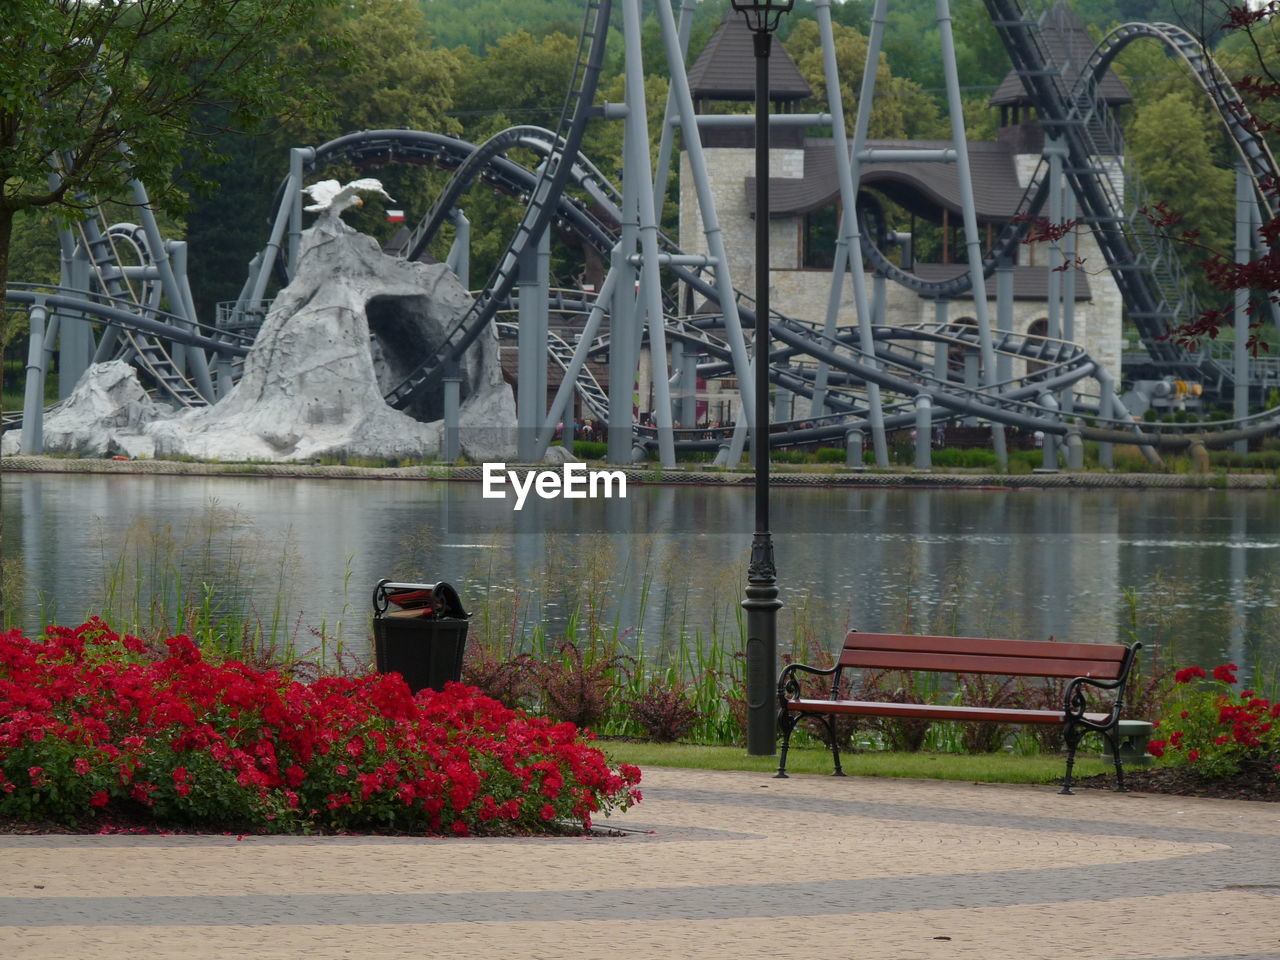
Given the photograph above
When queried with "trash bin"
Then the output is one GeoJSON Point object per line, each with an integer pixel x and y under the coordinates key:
{"type": "Point", "coordinates": [419, 632]}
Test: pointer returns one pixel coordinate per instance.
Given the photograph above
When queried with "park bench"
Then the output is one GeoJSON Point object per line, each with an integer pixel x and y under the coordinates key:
{"type": "Point", "coordinates": [1104, 667]}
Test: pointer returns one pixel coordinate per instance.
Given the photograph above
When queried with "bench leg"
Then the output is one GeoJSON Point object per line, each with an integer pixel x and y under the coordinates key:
{"type": "Point", "coordinates": [1113, 741]}
{"type": "Point", "coordinates": [829, 720]}
{"type": "Point", "coordinates": [1073, 736]}
{"type": "Point", "coordinates": [786, 723]}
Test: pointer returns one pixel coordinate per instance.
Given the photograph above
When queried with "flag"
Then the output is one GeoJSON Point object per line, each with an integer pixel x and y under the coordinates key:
{"type": "Point", "coordinates": [395, 216]}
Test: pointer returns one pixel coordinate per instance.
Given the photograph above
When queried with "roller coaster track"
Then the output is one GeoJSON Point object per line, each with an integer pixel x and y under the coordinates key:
{"type": "Point", "coordinates": [1230, 106]}
{"type": "Point", "coordinates": [902, 372]}
{"type": "Point", "coordinates": [544, 201]}
{"type": "Point", "coordinates": [1143, 265]}
{"type": "Point", "coordinates": [149, 351]}
{"type": "Point", "coordinates": [899, 367]}
{"type": "Point", "coordinates": [1064, 110]}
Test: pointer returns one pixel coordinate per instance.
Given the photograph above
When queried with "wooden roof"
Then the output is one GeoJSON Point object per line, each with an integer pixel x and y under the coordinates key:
{"type": "Point", "coordinates": [919, 187]}
{"type": "Point", "coordinates": [726, 68]}
{"type": "Point", "coordinates": [1070, 44]}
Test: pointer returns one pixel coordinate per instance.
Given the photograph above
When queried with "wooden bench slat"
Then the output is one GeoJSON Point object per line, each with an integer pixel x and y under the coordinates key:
{"type": "Point", "coordinates": [1061, 650]}
{"type": "Point", "coordinates": [934, 711]}
{"type": "Point", "coordinates": [965, 663]}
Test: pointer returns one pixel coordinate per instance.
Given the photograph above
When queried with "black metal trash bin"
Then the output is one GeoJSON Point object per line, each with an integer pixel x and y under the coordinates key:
{"type": "Point", "coordinates": [423, 637]}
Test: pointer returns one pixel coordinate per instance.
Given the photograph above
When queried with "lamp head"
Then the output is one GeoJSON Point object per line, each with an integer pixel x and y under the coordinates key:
{"type": "Point", "coordinates": [763, 15]}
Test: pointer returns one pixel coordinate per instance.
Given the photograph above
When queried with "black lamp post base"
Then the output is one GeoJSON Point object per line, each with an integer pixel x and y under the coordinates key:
{"type": "Point", "coordinates": [762, 605]}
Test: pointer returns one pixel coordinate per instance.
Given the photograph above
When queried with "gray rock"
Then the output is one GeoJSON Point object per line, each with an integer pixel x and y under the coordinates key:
{"type": "Point", "coordinates": [107, 403]}
{"type": "Point", "coordinates": [314, 381]}
{"type": "Point", "coordinates": [559, 455]}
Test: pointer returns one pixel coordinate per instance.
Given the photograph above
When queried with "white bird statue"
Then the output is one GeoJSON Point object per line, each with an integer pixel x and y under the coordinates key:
{"type": "Point", "coordinates": [331, 198]}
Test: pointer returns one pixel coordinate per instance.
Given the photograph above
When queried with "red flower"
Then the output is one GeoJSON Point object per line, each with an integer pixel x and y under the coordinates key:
{"type": "Point", "coordinates": [1225, 672]}
{"type": "Point", "coordinates": [548, 812]}
{"type": "Point", "coordinates": [1187, 674]}
{"type": "Point", "coordinates": [1193, 755]}
{"type": "Point", "coordinates": [81, 694]}
{"type": "Point", "coordinates": [1156, 747]}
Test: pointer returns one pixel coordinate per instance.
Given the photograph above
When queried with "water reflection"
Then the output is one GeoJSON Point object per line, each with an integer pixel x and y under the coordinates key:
{"type": "Point", "coordinates": [670, 560]}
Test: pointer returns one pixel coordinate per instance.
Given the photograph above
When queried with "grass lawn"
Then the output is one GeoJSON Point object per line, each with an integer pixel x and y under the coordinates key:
{"type": "Point", "coordinates": [986, 768]}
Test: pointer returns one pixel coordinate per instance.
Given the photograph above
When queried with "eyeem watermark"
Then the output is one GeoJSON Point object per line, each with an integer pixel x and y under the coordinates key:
{"type": "Point", "coordinates": [573, 482]}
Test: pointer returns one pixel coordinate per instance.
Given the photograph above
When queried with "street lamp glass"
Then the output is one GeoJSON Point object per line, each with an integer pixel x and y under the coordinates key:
{"type": "Point", "coordinates": [763, 15]}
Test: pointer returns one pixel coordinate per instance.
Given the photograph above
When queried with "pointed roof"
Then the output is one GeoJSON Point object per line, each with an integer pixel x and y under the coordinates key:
{"type": "Point", "coordinates": [726, 68]}
{"type": "Point", "coordinates": [1070, 45]}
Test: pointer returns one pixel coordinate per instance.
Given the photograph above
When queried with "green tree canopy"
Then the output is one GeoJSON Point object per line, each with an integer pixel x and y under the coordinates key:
{"type": "Point", "coordinates": [387, 72]}
{"type": "Point", "coordinates": [1187, 179]}
{"type": "Point", "coordinates": [522, 79]}
{"type": "Point", "coordinates": [115, 91]}
{"type": "Point", "coordinates": [901, 108]}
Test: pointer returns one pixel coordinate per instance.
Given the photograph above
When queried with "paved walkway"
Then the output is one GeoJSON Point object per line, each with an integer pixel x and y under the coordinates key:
{"type": "Point", "coordinates": [713, 865]}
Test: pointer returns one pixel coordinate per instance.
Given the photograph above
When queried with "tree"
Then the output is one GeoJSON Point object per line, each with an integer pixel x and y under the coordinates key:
{"type": "Point", "coordinates": [522, 79]}
{"type": "Point", "coordinates": [112, 91]}
{"type": "Point", "coordinates": [1255, 39]}
{"type": "Point", "coordinates": [117, 91]}
{"type": "Point", "coordinates": [1196, 179]}
{"type": "Point", "coordinates": [901, 109]}
{"type": "Point", "coordinates": [480, 24]}
{"type": "Point", "coordinates": [386, 72]}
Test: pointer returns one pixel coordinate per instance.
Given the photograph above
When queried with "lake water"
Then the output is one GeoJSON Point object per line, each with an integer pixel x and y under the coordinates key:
{"type": "Point", "coordinates": [666, 560]}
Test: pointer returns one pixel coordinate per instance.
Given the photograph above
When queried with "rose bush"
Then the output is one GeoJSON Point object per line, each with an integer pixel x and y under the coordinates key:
{"type": "Point", "coordinates": [1220, 731]}
{"type": "Point", "coordinates": [91, 729]}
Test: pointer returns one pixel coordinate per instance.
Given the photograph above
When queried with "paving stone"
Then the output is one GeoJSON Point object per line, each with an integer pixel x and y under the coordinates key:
{"type": "Point", "coordinates": [713, 864]}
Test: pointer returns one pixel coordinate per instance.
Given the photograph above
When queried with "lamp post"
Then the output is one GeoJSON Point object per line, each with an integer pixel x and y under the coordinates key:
{"type": "Point", "coordinates": [762, 601]}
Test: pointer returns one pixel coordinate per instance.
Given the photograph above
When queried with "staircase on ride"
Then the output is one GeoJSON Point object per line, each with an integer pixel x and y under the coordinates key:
{"type": "Point", "coordinates": [147, 350]}
{"type": "Point", "coordinates": [1142, 260]}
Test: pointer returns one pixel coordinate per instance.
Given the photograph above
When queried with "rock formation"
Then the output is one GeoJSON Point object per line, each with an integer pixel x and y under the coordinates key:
{"type": "Point", "coordinates": [104, 415]}
{"type": "Point", "coordinates": [352, 324]}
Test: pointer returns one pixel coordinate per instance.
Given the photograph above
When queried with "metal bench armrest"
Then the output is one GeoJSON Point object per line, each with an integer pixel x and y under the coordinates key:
{"type": "Point", "coordinates": [1074, 706]}
{"type": "Point", "coordinates": [789, 684]}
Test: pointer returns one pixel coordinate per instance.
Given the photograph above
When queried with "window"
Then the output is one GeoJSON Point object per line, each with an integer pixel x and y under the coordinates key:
{"type": "Point", "coordinates": [821, 230]}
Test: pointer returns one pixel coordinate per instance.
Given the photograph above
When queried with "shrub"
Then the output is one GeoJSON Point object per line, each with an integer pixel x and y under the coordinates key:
{"type": "Point", "coordinates": [509, 680]}
{"type": "Point", "coordinates": [577, 684]}
{"type": "Point", "coordinates": [985, 690]}
{"type": "Point", "coordinates": [829, 455]}
{"type": "Point", "coordinates": [665, 712]}
{"type": "Point", "coordinates": [735, 702]}
{"type": "Point", "coordinates": [1220, 732]}
{"type": "Point", "coordinates": [972, 458]}
{"type": "Point", "coordinates": [898, 686]}
{"type": "Point", "coordinates": [92, 730]}
{"type": "Point", "coordinates": [1047, 693]}
{"type": "Point", "coordinates": [590, 449]}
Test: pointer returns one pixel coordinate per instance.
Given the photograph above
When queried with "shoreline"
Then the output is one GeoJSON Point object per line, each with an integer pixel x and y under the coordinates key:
{"type": "Point", "coordinates": [656, 476]}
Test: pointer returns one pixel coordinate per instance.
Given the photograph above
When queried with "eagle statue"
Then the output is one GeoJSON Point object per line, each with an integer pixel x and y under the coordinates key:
{"type": "Point", "coordinates": [331, 198]}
